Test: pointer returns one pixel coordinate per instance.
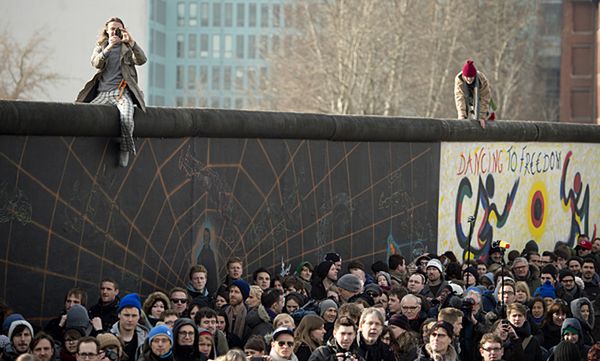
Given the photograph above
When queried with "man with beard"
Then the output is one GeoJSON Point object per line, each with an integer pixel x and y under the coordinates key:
{"type": "Point", "coordinates": [20, 334]}
{"type": "Point", "coordinates": [185, 336]}
{"type": "Point", "coordinates": [439, 346]}
{"type": "Point", "coordinates": [370, 347]}
{"type": "Point", "coordinates": [104, 313]}
{"type": "Point", "coordinates": [590, 278]}
{"type": "Point", "coordinates": [56, 326]}
{"type": "Point", "coordinates": [239, 290]}
{"type": "Point", "coordinates": [42, 347]}
{"type": "Point", "coordinates": [342, 344]}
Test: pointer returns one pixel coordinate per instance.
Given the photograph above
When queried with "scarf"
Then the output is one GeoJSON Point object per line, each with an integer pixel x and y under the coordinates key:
{"type": "Point", "coordinates": [450, 355]}
{"type": "Point", "coordinates": [237, 319]}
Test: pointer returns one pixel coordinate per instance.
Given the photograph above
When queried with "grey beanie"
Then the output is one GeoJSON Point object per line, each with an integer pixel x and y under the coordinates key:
{"type": "Point", "coordinates": [16, 323]}
{"type": "Point", "coordinates": [350, 282]}
{"type": "Point", "coordinates": [386, 275]}
{"type": "Point", "coordinates": [325, 305]}
{"type": "Point", "coordinates": [78, 319]}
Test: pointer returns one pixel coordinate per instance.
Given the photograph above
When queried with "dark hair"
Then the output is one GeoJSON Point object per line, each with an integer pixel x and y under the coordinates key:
{"type": "Point", "coordinates": [255, 342]}
{"type": "Point", "coordinates": [110, 280]}
{"type": "Point", "coordinates": [270, 296]}
{"type": "Point", "coordinates": [204, 312]}
{"type": "Point", "coordinates": [39, 337]}
{"type": "Point", "coordinates": [18, 330]}
{"type": "Point", "coordinates": [355, 265]}
{"type": "Point", "coordinates": [550, 254]}
{"type": "Point", "coordinates": [260, 270]}
{"type": "Point", "coordinates": [178, 289]}
{"type": "Point", "coordinates": [196, 269]}
{"type": "Point", "coordinates": [395, 260]}
{"type": "Point", "coordinates": [223, 314]}
{"type": "Point", "coordinates": [76, 291]}
{"type": "Point", "coordinates": [344, 321]}
{"type": "Point", "coordinates": [88, 339]}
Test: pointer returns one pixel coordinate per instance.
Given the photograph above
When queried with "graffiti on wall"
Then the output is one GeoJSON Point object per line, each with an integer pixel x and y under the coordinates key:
{"type": "Point", "coordinates": [516, 192]}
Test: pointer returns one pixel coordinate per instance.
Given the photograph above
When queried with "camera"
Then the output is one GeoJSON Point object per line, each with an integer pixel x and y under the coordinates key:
{"type": "Point", "coordinates": [467, 305]}
{"type": "Point", "coordinates": [119, 33]}
{"type": "Point", "coordinates": [348, 356]}
{"type": "Point", "coordinates": [111, 354]}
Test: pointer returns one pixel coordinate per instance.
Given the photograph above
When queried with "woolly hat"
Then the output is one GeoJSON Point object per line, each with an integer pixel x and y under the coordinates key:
{"type": "Point", "coordinates": [531, 246]}
{"type": "Point", "coordinates": [304, 264]}
{"type": "Point", "coordinates": [109, 340]}
{"type": "Point", "coordinates": [400, 321]}
{"type": "Point", "coordinates": [545, 290]}
{"type": "Point", "coordinates": [160, 330]}
{"type": "Point", "coordinates": [457, 290]}
{"type": "Point", "coordinates": [472, 272]}
{"type": "Point", "coordinates": [572, 325]}
{"type": "Point", "coordinates": [332, 257]}
{"type": "Point", "coordinates": [16, 323]}
{"type": "Point", "coordinates": [9, 319]}
{"type": "Point", "coordinates": [243, 286]}
{"type": "Point", "coordinates": [182, 321]}
{"type": "Point", "coordinates": [78, 319]}
{"type": "Point", "coordinates": [325, 305]}
{"type": "Point", "coordinates": [131, 300]}
{"type": "Point", "coordinates": [445, 325]}
{"type": "Point", "coordinates": [565, 272]}
{"type": "Point", "coordinates": [323, 269]}
{"type": "Point", "coordinates": [386, 275]}
{"type": "Point", "coordinates": [549, 269]}
{"type": "Point", "coordinates": [422, 258]}
{"type": "Point", "coordinates": [4, 340]}
{"type": "Point", "coordinates": [203, 332]}
{"type": "Point", "coordinates": [468, 69]}
{"type": "Point", "coordinates": [349, 282]}
{"type": "Point", "coordinates": [373, 290]}
{"type": "Point", "coordinates": [435, 263]}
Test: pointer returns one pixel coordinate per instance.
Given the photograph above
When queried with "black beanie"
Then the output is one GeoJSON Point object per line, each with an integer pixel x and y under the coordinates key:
{"type": "Point", "coordinates": [323, 269]}
{"type": "Point", "coordinates": [550, 269]}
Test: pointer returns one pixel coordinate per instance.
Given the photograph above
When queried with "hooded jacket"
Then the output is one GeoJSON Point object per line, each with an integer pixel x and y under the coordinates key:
{"type": "Point", "coordinates": [201, 298]}
{"type": "Point", "coordinates": [425, 354]}
{"type": "Point", "coordinates": [258, 322]}
{"type": "Point", "coordinates": [186, 353]}
{"type": "Point", "coordinates": [147, 307]}
{"type": "Point", "coordinates": [586, 325]}
{"type": "Point", "coordinates": [583, 349]}
{"type": "Point", "coordinates": [140, 333]}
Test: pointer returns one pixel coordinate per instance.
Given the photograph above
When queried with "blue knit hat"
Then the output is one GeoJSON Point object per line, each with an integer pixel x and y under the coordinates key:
{"type": "Point", "coordinates": [243, 286]}
{"type": "Point", "coordinates": [160, 330]}
{"type": "Point", "coordinates": [9, 319]}
{"type": "Point", "coordinates": [545, 291]}
{"type": "Point", "coordinates": [130, 300]}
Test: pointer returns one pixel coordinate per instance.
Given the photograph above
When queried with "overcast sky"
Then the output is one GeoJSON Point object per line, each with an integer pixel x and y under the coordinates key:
{"type": "Point", "coordinates": [71, 27]}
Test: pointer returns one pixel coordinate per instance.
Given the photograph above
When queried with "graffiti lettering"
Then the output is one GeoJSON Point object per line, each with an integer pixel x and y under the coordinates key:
{"type": "Point", "coordinates": [531, 163]}
{"type": "Point", "coordinates": [484, 200]}
{"type": "Point", "coordinates": [579, 206]}
{"type": "Point", "coordinates": [481, 161]}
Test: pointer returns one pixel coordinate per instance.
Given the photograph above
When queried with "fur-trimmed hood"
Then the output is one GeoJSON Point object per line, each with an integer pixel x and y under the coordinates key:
{"type": "Point", "coordinates": [576, 311]}
{"type": "Point", "coordinates": [152, 298]}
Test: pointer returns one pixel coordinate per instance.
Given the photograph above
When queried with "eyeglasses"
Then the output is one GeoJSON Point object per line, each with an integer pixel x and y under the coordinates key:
{"type": "Point", "coordinates": [567, 281]}
{"type": "Point", "coordinates": [179, 300]}
{"type": "Point", "coordinates": [186, 334]}
{"type": "Point", "coordinates": [87, 356]}
{"type": "Point", "coordinates": [409, 307]}
{"type": "Point", "coordinates": [492, 349]}
{"type": "Point", "coordinates": [170, 323]}
{"type": "Point", "coordinates": [283, 343]}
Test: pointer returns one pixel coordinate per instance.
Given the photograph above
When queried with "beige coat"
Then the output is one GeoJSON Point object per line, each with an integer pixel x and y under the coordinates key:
{"type": "Point", "coordinates": [460, 97]}
{"type": "Point", "coordinates": [130, 57]}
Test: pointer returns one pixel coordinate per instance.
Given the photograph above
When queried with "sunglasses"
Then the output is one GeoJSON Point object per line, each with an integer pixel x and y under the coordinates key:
{"type": "Point", "coordinates": [283, 343]}
{"type": "Point", "coordinates": [179, 300]}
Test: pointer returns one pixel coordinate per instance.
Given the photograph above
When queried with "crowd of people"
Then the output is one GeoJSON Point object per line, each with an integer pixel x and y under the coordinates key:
{"type": "Point", "coordinates": [504, 306]}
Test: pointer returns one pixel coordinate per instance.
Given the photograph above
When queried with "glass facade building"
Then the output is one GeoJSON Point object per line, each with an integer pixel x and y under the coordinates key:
{"type": "Point", "coordinates": [213, 53]}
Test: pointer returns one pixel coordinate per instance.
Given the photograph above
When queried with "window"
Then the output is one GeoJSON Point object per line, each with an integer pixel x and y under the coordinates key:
{"type": "Point", "coordinates": [202, 102]}
{"type": "Point", "coordinates": [159, 75]}
{"type": "Point", "coordinates": [288, 16]}
{"type": "Point", "coordinates": [262, 79]}
{"type": "Point", "coordinates": [264, 46]}
{"type": "Point", "coordinates": [180, 13]}
{"type": "Point", "coordinates": [216, 46]}
{"type": "Point", "coordinates": [228, 46]}
{"type": "Point", "coordinates": [276, 15]}
{"type": "Point", "coordinates": [191, 102]}
{"type": "Point", "coordinates": [204, 15]}
{"type": "Point", "coordinates": [228, 14]}
{"type": "Point", "coordinates": [204, 45]}
{"type": "Point", "coordinates": [239, 78]}
{"type": "Point", "coordinates": [251, 46]}
{"type": "Point", "coordinates": [192, 44]}
{"type": "Point", "coordinates": [251, 78]}
{"type": "Point", "coordinates": [159, 100]}
{"type": "Point", "coordinates": [276, 44]}
{"type": "Point", "coordinates": [264, 15]}
{"type": "Point", "coordinates": [161, 39]}
{"type": "Point", "coordinates": [204, 76]}
{"type": "Point", "coordinates": [151, 80]}
{"type": "Point", "coordinates": [214, 102]}
{"type": "Point", "coordinates": [240, 15]}
{"type": "Point", "coordinates": [239, 46]}
{"type": "Point", "coordinates": [216, 78]}
{"type": "Point", "coordinates": [180, 46]}
{"type": "Point", "coordinates": [191, 77]}
{"type": "Point", "coordinates": [161, 14]}
{"type": "Point", "coordinates": [179, 80]}
{"type": "Point", "coordinates": [227, 78]}
{"type": "Point", "coordinates": [193, 17]}
{"type": "Point", "coordinates": [216, 14]}
{"type": "Point", "coordinates": [179, 101]}
{"type": "Point", "coordinates": [252, 15]}
{"type": "Point", "coordinates": [239, 103]}
{"type": "Point", "coordinates": [227, 103]}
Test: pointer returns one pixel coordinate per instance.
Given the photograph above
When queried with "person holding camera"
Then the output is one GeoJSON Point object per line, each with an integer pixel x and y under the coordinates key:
{"type": "Point", "coordinates": [115, 56]}
{"type": "Point", "coordinates": [342, 346]}
{"type": "Point", "coordinates": [474, 324]}
{"type": "Point", "coordinates": [110, 347]}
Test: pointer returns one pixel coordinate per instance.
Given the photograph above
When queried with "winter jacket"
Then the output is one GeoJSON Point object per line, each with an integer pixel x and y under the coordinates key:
{"type": "Point", "coordinates": [378, 351]}
{"type": "Point", "coordinates": [107, 313]}
{"type": "Point", "coordinates": [461, 96]}
{"type": "Point", "coordinates": [532, 347]}
{"type": "Point", "coordinates": [186, 353]}
{"type": "Point", "coordinates": [258, 322]}
{"type": "Point", "coordinates": [331, 348]}
{"type": "Point", "coordinates": [140, 333]}
{"type": "Point", "coordinates": [201, 298]}
{"type": "Point", "coordinates": [586, 325]}
{"type": "Point", "coordinates": [130, 57]}
{"type": "Point", "coordinates": [425, 354]}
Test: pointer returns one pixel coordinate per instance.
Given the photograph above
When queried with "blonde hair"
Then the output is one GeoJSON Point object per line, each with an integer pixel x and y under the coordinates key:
{"type": "Point", "coordinates": [103, 35]}
{"type": "Point", "coordinates": [256, 291]}
{"type": "Point", "coordinates": [280, 317]}
{"type": "Point", "coordinates": [522, 286]}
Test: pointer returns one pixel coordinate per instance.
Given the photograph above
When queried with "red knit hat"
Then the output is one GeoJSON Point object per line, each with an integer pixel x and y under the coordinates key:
{"type": "Point", "coordinates": [469, 69]}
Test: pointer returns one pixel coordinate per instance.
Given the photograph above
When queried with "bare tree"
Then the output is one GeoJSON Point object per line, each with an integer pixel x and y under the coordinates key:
{"type": "Point", "coordinates": [23, 67]}
{"type": "Point", "coordinates": [400, 57]}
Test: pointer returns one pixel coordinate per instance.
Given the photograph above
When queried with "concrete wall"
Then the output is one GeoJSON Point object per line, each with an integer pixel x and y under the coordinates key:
{"type": "Point", "coordinates": [272, 188]}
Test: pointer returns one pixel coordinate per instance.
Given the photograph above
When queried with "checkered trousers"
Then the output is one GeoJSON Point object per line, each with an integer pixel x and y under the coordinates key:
{"type": "Point", "coordinates": [125, 106]}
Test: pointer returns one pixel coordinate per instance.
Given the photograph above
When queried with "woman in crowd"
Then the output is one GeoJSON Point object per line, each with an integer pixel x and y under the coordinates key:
{"type": "Point", "coordinates": [156, 303]}
{"type": "Point", "coordinates": [308, 336]}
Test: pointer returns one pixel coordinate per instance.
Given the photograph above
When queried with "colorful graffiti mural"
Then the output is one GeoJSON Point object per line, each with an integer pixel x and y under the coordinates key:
{"type": "Point", "coordinates": [516, 192]}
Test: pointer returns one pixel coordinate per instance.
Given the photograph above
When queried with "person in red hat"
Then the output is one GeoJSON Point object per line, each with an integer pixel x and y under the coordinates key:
{"type": "Point", "coordinates": [472, 95]}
